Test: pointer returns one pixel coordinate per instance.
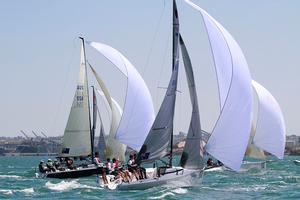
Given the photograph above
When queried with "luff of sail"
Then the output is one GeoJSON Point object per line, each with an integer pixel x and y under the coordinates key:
{"type": "Point", "coordinates": [160, 136]}
{"type": "Point", "coordinates": [270, 128]}
{"type": "Point", "coordinates": [192, 156]}
{"type": "Point", "coordinates": [229, 138]}
{"type": "Point", "coordinates": [77, 136]}
{"type": "Point", "coordinates": [114, 149]}
{"type": "Point", "coordinates": [138, 112]}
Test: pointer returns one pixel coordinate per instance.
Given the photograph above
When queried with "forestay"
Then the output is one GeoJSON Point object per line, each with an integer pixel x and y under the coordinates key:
{"type": "Point", "coordinates": [138, 114]}
{"type": "Point", "coordinates": [270, 129]}
{"type": "Point", "coordinates": [192, 156]}
{"type": "Point", "coordinates": [230, 135]}
{"type": "Point", "coordinates": [77, 136]}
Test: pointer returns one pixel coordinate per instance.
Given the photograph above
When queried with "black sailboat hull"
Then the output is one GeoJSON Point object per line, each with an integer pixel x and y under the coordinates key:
{"type": "Point", "coordinates": [76, 173]}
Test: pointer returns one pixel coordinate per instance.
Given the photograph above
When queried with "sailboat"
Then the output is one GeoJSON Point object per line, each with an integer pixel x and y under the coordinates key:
{"type": "Point", "coordinates": [78, 138]}
{"type": "Point", "coordinates": [153, 137]}
{"type": "Point", "coordinates": [269, 133]}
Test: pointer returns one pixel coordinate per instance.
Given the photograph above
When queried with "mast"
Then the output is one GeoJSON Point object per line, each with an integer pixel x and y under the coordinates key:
{"type": "Point", "coordinates": [94, 121]}
{"type": "Point", "coordinates": [86, 77]}
{"type": "Point", "coordinates": [174, 66]}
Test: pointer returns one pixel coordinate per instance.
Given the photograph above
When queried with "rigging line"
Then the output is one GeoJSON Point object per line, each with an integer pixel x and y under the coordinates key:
{"type": "Point", "coordinates": [64, 87]}
{"type": "Point", "coordinates": [161, 70]}
{"type": "Point", "coordinates": [153, 40]}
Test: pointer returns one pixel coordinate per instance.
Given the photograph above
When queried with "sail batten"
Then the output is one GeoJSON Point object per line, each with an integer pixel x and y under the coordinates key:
{"type": "Point", "coordinates": [230, 135]}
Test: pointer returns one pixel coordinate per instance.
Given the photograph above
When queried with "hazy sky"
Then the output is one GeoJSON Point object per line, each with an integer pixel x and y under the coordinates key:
{"type": "Point", "coordinates": [39, 55]}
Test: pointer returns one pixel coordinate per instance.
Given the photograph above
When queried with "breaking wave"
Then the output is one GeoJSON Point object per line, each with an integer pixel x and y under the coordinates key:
{"type": "Point", "coordinates": [26, 191]}
{"type": "Point", "coordinates": [180, 191]}
{"type": "Point", "coordinates": [66, 186]}
{"type": "Point", "coordinates": [10, 176]}
{"type": "Point", "coordinates": [173, 192]}
{"type": "Point", "coordinates": [163, 195]}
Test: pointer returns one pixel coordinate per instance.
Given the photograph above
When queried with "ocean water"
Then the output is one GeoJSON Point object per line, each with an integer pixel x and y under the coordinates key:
{"type": "Point", "coordinates": [281, 180]}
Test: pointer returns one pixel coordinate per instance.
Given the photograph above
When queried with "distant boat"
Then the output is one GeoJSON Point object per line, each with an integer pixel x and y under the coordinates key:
{"type": "Point", "coordinates": [268, 134]}
{"type": "Point", "coordinates": [155, 142]}
{"type": "Point", "coordinates": [78, 138]}
{"type": "Point", "coordinates": [297, 162]}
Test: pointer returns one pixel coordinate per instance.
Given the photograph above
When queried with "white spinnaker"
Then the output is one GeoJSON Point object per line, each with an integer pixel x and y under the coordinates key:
{"type": "Point", "coordinates": [230, 135]}
{"type": "Point", "coordinates": [77, 139]}
{"type": "Point", "coordinates": [138, 112]}
{"type": "Point", "coordinates": [270, 128]}
{"type": "Point", "coordinates": [114, 149]}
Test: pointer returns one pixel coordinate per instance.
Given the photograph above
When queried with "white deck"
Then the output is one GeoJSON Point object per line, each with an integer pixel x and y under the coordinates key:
{"type": "Point", "coordinates": [174, 177]}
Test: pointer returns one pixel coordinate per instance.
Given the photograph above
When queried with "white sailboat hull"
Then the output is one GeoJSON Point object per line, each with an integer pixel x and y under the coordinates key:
{"type": "Point", "coordinates": [246, 166]}
{"type": "Point", "coordinates": [173, 178]}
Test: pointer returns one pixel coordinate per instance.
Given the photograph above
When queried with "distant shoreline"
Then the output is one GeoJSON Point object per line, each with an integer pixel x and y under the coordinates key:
{"type": "Point", "coordinates": [30, 154]}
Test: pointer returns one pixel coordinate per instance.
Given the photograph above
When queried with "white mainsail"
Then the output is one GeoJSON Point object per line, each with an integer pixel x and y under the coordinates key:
{"type": "Point", "coordinates": [192, 156]}
{"type": "Point", "coordinates": [77, 136]}
{"type": "Point", "coordinates": [131, 131]}
{"type": "Point", "coordinates": [114, 149]}
{"type": "Point", "coordinates": [270, 128]}
{"type": "Point", "coordinates": [159, 138]}
{"type": "Point", "coordinates": [230, 135]}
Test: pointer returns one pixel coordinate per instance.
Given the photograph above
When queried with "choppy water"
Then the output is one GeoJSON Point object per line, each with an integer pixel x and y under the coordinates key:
{"type": "Point", "coordinates": [281, 180]}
